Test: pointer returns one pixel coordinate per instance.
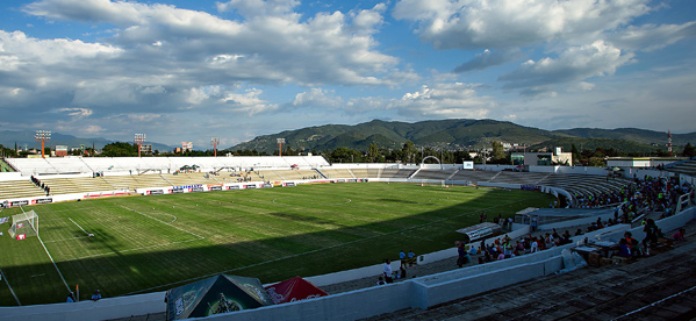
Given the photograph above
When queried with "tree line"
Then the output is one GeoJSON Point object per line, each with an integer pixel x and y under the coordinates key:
{"type": "Point", "coordinates": [407, 153]}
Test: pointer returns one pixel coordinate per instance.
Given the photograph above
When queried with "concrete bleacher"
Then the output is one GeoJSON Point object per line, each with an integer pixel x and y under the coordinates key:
{"type": "Point", "coordinates": [434, 174]}
{"type": "Point", "coordinates": [138, 165]}
{"type": "Point", "coordinates": [474, 176]}
{"type": "Point", "coordinates": [76, 185]}
{"type": "Point", "coordinates": [337, 173]}
{"type": "Point", "coordinates": [686, 167]}
{"type": "Point", "coordinates": [362, 172]}
{"type": "Point", "coordinates": [19, 189]}
{"type": "Point", "coordinates": [396, 173]}
{"type": "Point", "coordinates": [522, 178]}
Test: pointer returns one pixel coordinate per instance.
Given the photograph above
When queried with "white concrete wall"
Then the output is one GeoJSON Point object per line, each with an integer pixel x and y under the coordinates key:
{"type": "Point", "coordinates": [104, 309]}
{"type": "Point", "coordinates": [11, 176]}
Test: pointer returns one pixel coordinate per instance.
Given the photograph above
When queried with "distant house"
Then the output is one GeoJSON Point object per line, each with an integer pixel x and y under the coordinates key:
{"type": "Point", "coordinates": [642, 162]}
{"type": "Point", "coordinates": [542, 158]}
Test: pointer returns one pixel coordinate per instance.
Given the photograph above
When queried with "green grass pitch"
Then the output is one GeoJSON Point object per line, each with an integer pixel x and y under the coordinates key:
{"type": "Point", "coordinates": [145, 244]}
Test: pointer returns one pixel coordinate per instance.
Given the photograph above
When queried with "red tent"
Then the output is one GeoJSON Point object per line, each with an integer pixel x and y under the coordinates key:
{"type": "Point", "coordinates": [294, 289]}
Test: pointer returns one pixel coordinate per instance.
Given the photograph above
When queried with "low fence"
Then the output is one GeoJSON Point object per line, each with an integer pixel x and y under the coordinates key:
{"type": "Point", "coordinates": [105, 309]}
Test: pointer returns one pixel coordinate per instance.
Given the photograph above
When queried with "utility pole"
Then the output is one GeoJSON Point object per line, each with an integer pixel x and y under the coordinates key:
{"type": "Point", "coordinates": [215, 141]}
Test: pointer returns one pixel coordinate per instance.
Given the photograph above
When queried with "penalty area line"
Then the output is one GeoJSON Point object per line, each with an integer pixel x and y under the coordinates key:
{"type": "Point", "coordinates": [78, 225]}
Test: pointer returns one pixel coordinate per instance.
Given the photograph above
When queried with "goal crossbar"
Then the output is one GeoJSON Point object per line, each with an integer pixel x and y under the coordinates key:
{"type": "Point", "coordinates": [26, 224]}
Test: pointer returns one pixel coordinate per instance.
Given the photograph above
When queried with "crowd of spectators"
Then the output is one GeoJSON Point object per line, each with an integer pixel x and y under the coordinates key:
{"type": "Point", "coordinates": [505, 247]}
{"type": "Point", "coordinates": [41, 185]}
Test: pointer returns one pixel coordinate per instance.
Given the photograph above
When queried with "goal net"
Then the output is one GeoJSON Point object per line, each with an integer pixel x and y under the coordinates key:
{"type": "Point", "coordinates": [25, 224]}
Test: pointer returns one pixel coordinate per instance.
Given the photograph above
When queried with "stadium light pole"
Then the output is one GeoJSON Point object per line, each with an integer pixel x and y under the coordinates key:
{"type": "Point", "coordinates": [139, 140]}
{"type": "Point", "coordinates": [280, 142]}
{"type": "Point", "coordinates": [215, 141]}
{"type": "Point", "coordinates": [42, 136]}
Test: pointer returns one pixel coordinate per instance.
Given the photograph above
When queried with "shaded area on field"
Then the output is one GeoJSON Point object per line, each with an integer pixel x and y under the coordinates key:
{"type": "Point", "coordinates": [186, 258]}
{"type": "Point", "coordinates": [301, 218]}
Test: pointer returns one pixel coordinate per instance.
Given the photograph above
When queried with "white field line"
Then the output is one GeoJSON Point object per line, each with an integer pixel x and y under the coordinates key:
{"type": "Point", "coordinates": [309, 252]}
{"type": "Point", "coordinates": [54, 263]}
{"type": "Point", "coordinates": [136, 249]}
{"type": "Point", "coordinates": [38, 236]}
{"type": "Point", "coordinates": [4, 277]}
{"type": "Point", "coordinates": [78, 225]}
{"type": "Point", "coordinates": [163, 222]}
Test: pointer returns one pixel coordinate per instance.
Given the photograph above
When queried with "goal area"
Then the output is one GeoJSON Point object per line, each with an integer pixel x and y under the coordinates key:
{"type": "Point", "coordinates": [24, 224]}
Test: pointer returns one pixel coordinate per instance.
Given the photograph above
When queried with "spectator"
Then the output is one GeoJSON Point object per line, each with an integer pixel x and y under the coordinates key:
{"type": "Point", "coordinates": [624, 249]}
{"type": "Point", "coordinates": [402, 257]}
{"type": "Point", "coordinates": [679, 235]}
{"type": "Point", "coordinates": [411, 258]}
{"type": "Point", "coordinates": [96, 296]}
{"type": "Point", "coordinates": [651, 233]}
{"type": "Point", "coordinates": [70, 298]}
{"type": "Point", "coordinates": [387, 271]}
{"type": "Point", "coordinates": [535, 245]}
{"type": "Point", "coordinates": [461, 254]}
{"type": "Point", "coordinates": [380, 281]}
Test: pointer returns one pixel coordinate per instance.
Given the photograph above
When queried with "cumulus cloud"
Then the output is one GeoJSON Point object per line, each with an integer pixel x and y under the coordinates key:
{"type": "Point", "coordinates": [511, 24]}
{"type": "Point", "coordinates": [444, 100]}
{"type": "Point", "coordinates": [562, 41]}
{"type": "Point", "coordinates": [254, 8]}
{"type": "Point", "coordinates": [248, 102]}
{"type": "Point", "coordinates": [326, 48]}
{"type": "Point", "coordinates": [651, 37]}
{"type": "Point", "coordinates": [76, 113]}
{"type": "Point", "coordinates": [573, 65]}
{"type": "Point", "coordinates": [166, 59]}
{"type": "Point", "coordinates": [317, 97]}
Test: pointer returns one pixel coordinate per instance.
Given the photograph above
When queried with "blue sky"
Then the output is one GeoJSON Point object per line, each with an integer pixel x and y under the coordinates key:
{"type": "Point", "coordinates": [191, 70]}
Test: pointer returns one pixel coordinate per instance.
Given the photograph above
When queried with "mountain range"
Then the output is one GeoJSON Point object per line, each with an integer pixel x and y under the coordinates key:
{"type": "Point", "coordinates": [451, 134]}
{"type": "Point", "coordinates": [454, 134]}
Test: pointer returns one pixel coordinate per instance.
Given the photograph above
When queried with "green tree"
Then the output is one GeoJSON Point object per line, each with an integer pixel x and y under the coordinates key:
{"type": "Point", "coordinates": [120, 149]}
{"type": "Point", "coordinates": [373, 152]}
{"type": "Point", "coordinates": [498, 154]}
{"type": "Point", "coordinates": [409, 152]}
{"type": "Point", "coordinates": [575, 154]}
{"type": "Point", "coordinates": [345, 155]}
{"type": "Point", "coordinates": [689, 151]}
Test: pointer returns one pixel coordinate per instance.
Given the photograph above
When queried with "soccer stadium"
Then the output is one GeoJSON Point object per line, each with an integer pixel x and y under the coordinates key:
{"type": "Point", "coordinates": [223, 235]}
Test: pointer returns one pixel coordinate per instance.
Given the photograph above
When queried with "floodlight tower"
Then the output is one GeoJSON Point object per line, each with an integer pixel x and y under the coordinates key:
{"type": "Point", "coordinates": [215, 141]}
{"type": "Point", "coordinates": [280, 142]}
{"type": "Point", "coordinates": [139, 140]}
{"type": "Point", "coordinates": [42, 136]}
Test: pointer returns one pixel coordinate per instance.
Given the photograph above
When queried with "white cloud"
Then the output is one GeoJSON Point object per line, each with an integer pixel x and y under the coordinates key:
{"type": "Point", "coordinates": [254, 8]}
{"type": "Point", "coordinates": [317, 97]}
{"type": "Point", "coordinates": [274, 42]}
{"type": "Point", "coordinates": [248, 102]}
{"type": "Point", "coordinates": [444, 100]}
{"type": "Point", "coordinates": [651, 37]}
{"type": "Point", "coordinates": [76, 113]}
{"type": "Point", "coordinates": [510, 24]}
{"type": "Point", "coordinates": [573, 65]}
{"type": "Point", "coordinates": [32, 51]}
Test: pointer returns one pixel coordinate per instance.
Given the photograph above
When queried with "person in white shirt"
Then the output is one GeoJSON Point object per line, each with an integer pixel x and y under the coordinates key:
{"type": "Point", "coordinates": [388, 271]}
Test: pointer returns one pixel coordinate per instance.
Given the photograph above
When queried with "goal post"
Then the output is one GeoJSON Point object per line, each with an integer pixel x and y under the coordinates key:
{"type": "Point", "coordinates": [24, 224]}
